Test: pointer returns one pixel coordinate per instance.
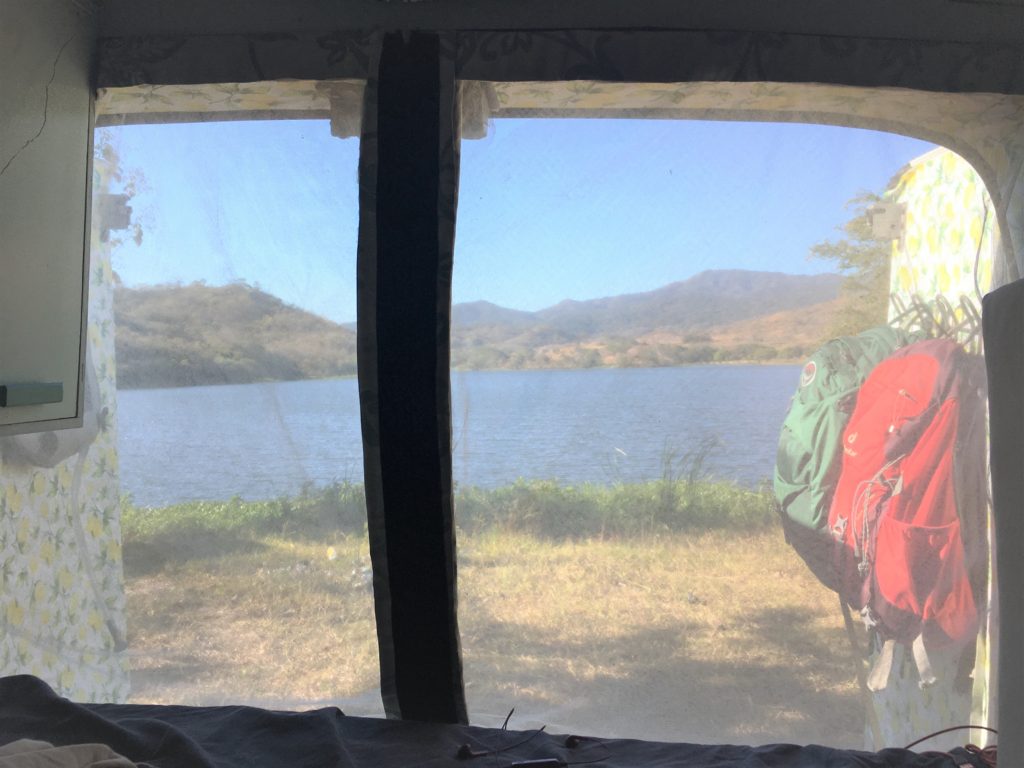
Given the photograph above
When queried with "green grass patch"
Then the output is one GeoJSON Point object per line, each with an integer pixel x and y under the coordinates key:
{"type": "Point", "coordinates": [154, 537]}
{"type": "Point", "coordinates": [541, 508]}
{"type": "Point", "coordinates": [547, 509]}
{"type": "Point", "coordinates": [340, 506]}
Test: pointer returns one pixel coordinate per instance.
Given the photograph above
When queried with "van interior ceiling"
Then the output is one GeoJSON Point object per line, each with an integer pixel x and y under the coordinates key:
{"type": "Point", "coordinates": [535, 384]}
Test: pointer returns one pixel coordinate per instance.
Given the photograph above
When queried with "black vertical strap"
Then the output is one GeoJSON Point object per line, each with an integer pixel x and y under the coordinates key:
{"type": "Point", "coordinates": [1003, 325]}
{"type": "Point", "coordinates": [404, 380]}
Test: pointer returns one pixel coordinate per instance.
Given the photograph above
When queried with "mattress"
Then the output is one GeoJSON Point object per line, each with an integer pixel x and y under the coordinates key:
{"type": "Point", "coordinates": [236, 736]}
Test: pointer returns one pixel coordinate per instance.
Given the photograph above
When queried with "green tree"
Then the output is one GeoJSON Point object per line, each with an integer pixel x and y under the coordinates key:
{"type": "Point", "coordinates": [863, 259]}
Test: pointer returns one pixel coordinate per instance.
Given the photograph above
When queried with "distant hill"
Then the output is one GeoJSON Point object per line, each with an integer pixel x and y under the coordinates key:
{"type": "Point", "coordinates": [184, 335]}
{"type": "Point", "coordinates": [715, 316]}
{"type": "Point", "coordinates": [483, 313]}
{"type": "Point", "coordinates": [706, 299]}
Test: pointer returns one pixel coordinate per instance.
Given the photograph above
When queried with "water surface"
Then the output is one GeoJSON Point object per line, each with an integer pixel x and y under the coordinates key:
{"type": "Point", "coordinates": [597, 425]}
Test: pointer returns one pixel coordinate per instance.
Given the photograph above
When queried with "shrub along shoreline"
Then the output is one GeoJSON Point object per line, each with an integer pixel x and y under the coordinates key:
{"type": "Point", "coordinates": [541, 508]}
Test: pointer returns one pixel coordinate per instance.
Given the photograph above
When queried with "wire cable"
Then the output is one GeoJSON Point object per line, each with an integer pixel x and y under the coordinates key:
{"type": "Point", "coordinates": [987, 755]}
{"type": "Point", "coordinates": [466, 752]}
{"type": "Point", "coordinates": [950, 730]}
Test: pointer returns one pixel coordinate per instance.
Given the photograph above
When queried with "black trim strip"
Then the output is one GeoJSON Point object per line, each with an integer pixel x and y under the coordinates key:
{"type": "Point", "coordinates": [1003, 327]}
{"type": "Point", "coordinates": [404, 385]}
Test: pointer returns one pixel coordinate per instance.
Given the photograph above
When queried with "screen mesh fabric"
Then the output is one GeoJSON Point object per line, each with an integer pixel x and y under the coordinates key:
{"type": "Point", "coordinates": [633, 308]}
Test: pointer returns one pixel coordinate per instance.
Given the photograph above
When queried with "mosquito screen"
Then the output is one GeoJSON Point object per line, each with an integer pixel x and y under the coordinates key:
{"type": "Point", "coordinates": [707, 375]}
{"type": "Point", "coordinates": [226, 472]}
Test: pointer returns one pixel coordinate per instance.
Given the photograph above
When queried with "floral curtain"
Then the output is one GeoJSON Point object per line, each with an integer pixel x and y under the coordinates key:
{"type": "Point", "coordinates": [62, 602]}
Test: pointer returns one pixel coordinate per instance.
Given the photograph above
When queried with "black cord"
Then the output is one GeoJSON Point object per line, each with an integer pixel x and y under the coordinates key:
{"type": "Point", "coordinates": [600, 759]}
{"type": "Point", "coordinates": [950, 730]}
{"type": "Point", "coordinates": [988, 755]}
{"type": "Point", "coordinates": [558, 762]}
{"type": "Point", "coordinates": [466, 752]}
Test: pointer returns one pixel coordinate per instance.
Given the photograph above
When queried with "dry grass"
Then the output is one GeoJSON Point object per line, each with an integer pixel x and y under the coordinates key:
{"type": "Point", "coordinates": [717, 636]}
{"type": "Point", "coordinates": [280, 626]}
{"type": "Point", "coordinates": [700, 637]}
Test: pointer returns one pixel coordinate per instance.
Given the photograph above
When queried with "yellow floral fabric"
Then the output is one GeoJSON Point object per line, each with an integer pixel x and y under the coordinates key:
{"type": "Point", "coordinates": [949, 243]}
{"type": "Point", "coordinates": [273, 96]}
{"type": "Point", "coordinates": [62, 596]}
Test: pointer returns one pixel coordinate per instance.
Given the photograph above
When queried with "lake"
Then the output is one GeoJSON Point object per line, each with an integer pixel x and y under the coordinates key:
{"type": "Point", "coordinates": [598, 425]}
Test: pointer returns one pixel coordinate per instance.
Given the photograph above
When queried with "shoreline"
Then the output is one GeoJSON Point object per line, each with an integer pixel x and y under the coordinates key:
{"type": "Point", "coordinates": [454, 370]}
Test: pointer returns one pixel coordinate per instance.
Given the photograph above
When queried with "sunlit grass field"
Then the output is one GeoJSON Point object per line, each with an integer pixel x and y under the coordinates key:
{"type": "Point", "coordinates": [671, 609]}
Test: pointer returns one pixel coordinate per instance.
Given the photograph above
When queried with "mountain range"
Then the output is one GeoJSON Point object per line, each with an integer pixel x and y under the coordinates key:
{"type": "Point", "coordinates": [181, 335]}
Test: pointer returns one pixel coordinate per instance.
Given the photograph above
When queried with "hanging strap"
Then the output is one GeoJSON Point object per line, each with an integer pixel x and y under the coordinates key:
{"type": "Point", "coordinates": [878, 677]}
{"type": "Point", "coordinates": [859, 659]}
{"type": "Point", "coordinates": [926, 676]}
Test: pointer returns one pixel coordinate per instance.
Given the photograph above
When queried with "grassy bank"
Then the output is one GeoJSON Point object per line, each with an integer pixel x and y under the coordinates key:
{"type": "Point", "coordinates": [542, 508]}
{"type": "Point", "coordinates": [670, 609]}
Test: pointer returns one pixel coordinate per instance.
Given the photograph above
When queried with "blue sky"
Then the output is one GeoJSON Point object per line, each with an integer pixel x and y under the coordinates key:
{"type": "Point", "coordinates": [548, 209]}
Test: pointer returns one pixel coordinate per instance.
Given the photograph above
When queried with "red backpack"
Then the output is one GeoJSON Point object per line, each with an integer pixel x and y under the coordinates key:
{"type": "Point", "coordinates": [908, 514]}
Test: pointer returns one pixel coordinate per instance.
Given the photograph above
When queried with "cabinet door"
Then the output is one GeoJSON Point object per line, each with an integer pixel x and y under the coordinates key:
{"type": "Point", "coordinates": [45, 165]}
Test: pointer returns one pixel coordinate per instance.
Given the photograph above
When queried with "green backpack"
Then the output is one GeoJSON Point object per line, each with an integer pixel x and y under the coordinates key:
{"type": "Point", "coordinates": [809, 457]}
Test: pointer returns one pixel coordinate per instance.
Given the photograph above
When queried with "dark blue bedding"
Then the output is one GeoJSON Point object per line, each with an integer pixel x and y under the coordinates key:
{"type": "Point", "coordinates": [233, 737]}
